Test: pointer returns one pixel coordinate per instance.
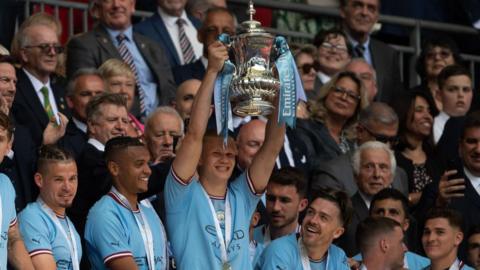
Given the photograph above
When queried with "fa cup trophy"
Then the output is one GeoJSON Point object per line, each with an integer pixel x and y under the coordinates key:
{"type": "Point", "coordinates": [253, 86]}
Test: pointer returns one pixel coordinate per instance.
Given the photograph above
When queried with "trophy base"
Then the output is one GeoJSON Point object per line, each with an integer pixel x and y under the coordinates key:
{"type": "Point", "coordinates": [253, 107]}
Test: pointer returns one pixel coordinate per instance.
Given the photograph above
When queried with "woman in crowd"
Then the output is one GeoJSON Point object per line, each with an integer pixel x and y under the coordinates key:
{"type": "Point", "coordinates": [305, 56]}
{"type": "Point", "coordinates": [414, 152]}
{"type": "Point", "coordinates": [333, 54]}
{"type": "Point", "coordinates": [437, 53]}
{"type": "Point", "coordinates": [119, 78]}
{"type": "Point", "coordinates": [329, 131]}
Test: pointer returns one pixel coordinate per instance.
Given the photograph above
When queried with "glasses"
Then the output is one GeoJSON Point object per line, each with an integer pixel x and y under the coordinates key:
{"type": "Point", "coordinates": [391, 140]}
{"type": "Point", "coordinates": [338, 47]}
{"type": "Point", "coordinates": [306, 68]}
{"type": "Point", "coordinates": [444, 54]}
{"type": "Point", "coordinates": [339, 91]}
{"type": "Point", "coordinates": [47, 48]}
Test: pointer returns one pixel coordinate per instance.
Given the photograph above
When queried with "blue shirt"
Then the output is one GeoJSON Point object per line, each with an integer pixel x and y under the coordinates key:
{"type": "Point", "coordinates": [284, 253]}
{"type": "Point", "coordinates": [145, 76]}
{"type": "Point", "coordinates": [191, 228]}
{"type": "Point", "coordinates": [112, 232]}
{"type": "Point", "coordinates": [411, 260]}
{"type": "Point", "coordinates": [367, 55]}
{"type": "Point", "coordinates": [9, 216]}
{"type": "Point", "coordinates": [42, 236]}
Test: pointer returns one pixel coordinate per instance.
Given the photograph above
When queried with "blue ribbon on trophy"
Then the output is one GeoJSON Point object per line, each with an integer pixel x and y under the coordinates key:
{"type": "Point", "coordinates": [290, 83]}
{"type": "Point", "coordinates": [223, 111]}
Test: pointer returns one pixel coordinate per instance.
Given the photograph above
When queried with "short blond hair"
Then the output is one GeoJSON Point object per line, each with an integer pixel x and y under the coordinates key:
{"type": "Point", "coordinates": [115, 67]}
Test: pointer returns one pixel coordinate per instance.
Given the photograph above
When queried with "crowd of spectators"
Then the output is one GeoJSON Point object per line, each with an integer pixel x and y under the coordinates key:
{"type": "Point", "coordinates": [110, 158]}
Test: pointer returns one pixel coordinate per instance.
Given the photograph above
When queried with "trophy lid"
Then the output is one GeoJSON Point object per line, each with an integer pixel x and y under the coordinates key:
{"type": "Point", "coordinates": [251, 26]}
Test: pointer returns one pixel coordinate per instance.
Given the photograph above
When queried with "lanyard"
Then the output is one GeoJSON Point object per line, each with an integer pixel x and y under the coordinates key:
{"type": "Point", "coordinates": [145, 230]}
{"type": "Point", "coordinates": [224, 242]}
{"type": "Point", "coordinates": [72, 242]}
{"type": "Point", "coordinates": [304, 256]}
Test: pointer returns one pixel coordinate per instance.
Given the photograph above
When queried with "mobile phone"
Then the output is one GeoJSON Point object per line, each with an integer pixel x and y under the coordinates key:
{"type": "Point", "coordinates": [453, 164]}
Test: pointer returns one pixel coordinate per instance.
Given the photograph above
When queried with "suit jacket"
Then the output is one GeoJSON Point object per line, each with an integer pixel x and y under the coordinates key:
{"type": "Point", "coordinates": [194, 70]}
{"type": "Point", "coordinates": [74, 139]}
{"type": "Point", "coordinates": [93, 48]}
{"type": "Point", "coordinates": [155, 28]}
{"type": "Point", "coordinates": [338, 174]}
{"type": "Point", "coordinates": [447, 146]}
{"type": "Point", "coordinates": [385, 62]}
{"type": "Point", "coordinates": [360, 212]}
{"type": "Point", "coordinates": [28, 110]}
{"type": "Point", "coordinates": [20, 169]}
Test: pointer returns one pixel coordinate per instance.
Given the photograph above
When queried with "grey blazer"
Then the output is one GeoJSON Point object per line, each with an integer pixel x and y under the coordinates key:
{"type": "Point", "coordinates": [338, 174]}
{"type": "Point", "coordinates": [92, 49]}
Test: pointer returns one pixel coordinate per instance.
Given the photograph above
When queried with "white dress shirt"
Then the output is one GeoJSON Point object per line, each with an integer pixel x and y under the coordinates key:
{"type": "Point", "coordinates": [190, 30]}
{"type": "Point", "coordinates": [97, 144]}
{"type": "Point", "coordinates": [324, 78]}
{"type": "Point", "coordinates": [438, 125]}
{"type": "Point", "coordinates": [474, 180]}
{"type": "Point", "coordinates": [37, 86]}
{"type": "Point", "coordinates": [80, 125]}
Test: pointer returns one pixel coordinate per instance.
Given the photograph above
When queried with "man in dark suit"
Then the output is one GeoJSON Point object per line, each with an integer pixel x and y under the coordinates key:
{"type": "Point", "coordinates": [374, 166]}
{"type": "Point", "coordinates": [462, 192]}
{"type": "Point", "coordinates": [377, 122]}
{"type": "Point", "coordinates": [218, 20]}
{"type": "Point", "coordinates": [107, 117]}
{"type": "Point", "coordinates": [40, 94]}
{"type": "Point", "coordinates": [82, 87]}
{"type": "Point", "coordinates": [165, 28]}
{"type": "Point", "coordinates": [359, 17]}
{"type": "Point", "coordinates": [114, 34]}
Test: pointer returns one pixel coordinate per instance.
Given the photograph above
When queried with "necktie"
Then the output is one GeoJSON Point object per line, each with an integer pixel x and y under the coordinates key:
{"type": "Point", "coordinates": [185, 45]}
{"type": "Point", "coordinates": [128, 59]}
{"type": "Point", "coordinates": [359, 50]}
{"type": "Point", "coordinates": [46, 103]}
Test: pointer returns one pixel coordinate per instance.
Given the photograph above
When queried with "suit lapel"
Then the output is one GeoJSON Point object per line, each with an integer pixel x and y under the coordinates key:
{"type": "Point", "coordinates": [160, 27]}
{"type": "Point", "coordinates": [106, 43]}
{"type": "Point", "coordinates": [26, 88]}
{"type": "Point", "coordinates": [378, 64]}
{"type": "Point", "coordinates": [360, 207]}
{"type": "Point", "coordinates": [471, 194]}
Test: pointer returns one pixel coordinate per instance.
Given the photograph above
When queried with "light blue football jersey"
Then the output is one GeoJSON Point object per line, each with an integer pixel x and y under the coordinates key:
{"type": "Point", "coordinates": [411, 260]}
{"type": "Point", "coordinates": [8, 216]}
{"type": "Point", "coordinates": [191, 227]}
{"type": "Point", "coordinates": [42, 236]}
{"type": "Point", "coordinates": [111, 232]}
{"type": "Point", "coordinates": [284, 253]}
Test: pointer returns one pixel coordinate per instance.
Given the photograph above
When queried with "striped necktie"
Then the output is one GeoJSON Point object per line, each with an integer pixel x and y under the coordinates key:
{"type": "Point", "coordinates": [128, 58]}
{"type": "Point", "coordinates": [359, 50]}
{"type": "Point", "coordinates": [185, 45]}
{"type": "Point", "coordinates": [47, 106]}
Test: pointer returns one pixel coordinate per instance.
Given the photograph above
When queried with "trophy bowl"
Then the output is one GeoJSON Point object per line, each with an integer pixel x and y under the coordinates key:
{"type": "Point", "coordinates": [254, 86]}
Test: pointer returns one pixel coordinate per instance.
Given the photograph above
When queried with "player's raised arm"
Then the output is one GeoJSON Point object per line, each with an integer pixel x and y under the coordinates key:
{"type": "Point", "coordinates": [186, 161]}
{"type": "Point", "coordinates": [264, 160]}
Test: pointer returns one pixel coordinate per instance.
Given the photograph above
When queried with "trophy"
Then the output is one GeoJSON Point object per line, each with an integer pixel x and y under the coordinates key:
{"type": "Point", "coordinates": [253, 86]}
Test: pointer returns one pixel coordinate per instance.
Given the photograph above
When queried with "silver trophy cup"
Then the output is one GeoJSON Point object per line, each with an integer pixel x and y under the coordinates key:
{"type": "Point", "coordinates": [254, 86]}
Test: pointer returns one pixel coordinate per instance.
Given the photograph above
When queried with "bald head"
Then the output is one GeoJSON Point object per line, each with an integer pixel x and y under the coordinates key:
{"type": "Point", "coordinates": [185, 95]}
{"type": "Point", "coordinates": [249, 140]}
{"type": "Point", "coordinates": [366, 73]}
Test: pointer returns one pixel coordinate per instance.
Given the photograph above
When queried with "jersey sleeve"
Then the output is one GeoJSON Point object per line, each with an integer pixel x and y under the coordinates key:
{"type": "Point", "coordinates": [7, 193]}
{"type": "Point", "coordinates": [106, 236]}
{"type": "Point", "coordinates": [35, 233]}
{"type": "Point", "coordinates": [276, 257]}
{"type": "Point", "coordinates": [177, 191]}
{"type": "Point", "coordinates": [243, 186]}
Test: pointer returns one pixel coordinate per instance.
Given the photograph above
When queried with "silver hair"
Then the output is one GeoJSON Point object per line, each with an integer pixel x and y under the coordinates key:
{"type": "Point", "coordinates": [378, 112]}
{"type": "Point", "coordinates": [72, 83]}
{"type": "Point", "coordinates": [362, 60]}
{"type": "Point", "coordinates": [377, 146]}
{"type": "Point", "coordinates": [165, 110]}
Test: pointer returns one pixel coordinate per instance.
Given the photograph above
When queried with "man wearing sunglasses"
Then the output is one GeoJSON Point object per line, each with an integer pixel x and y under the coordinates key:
{"type": "Point", "coordinates": [378, 122]}
{"type": "Point", "coordinates": [40, 94]}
